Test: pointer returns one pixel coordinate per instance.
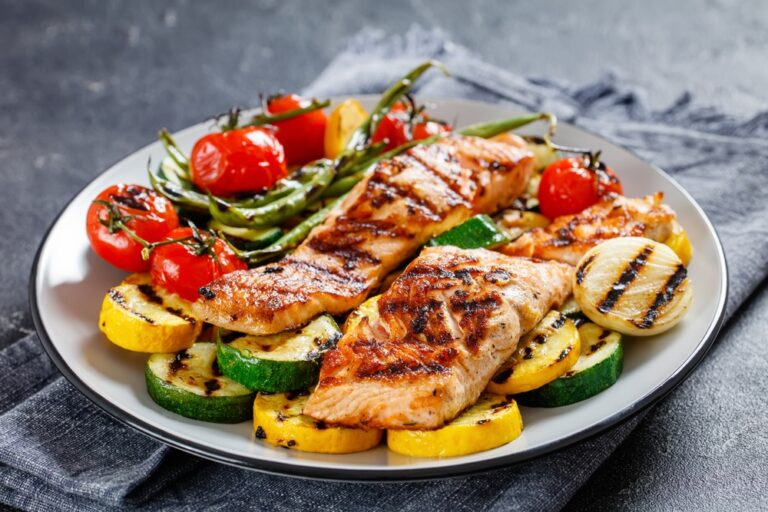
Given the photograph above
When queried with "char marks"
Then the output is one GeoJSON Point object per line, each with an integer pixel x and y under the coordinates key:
{"type": "Point", "coordinates": [663, 297]}
{"type": "Point", "coordinates": [630, 273]}
{"type": "Point", "coordinates": [384, 220]}
{"type": "Point", "coordinates": [442, 330]}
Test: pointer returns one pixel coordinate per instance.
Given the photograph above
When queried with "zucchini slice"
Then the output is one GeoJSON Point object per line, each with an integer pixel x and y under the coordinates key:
{"type": "Point", "coordinates": [494, 420]}
{"type": "Point", "coordinates": [287, 361]}
{"type": "Point", "coordinates": [189, 383]}
{"type": "Point", "coordinates": [544, 354]}
{"type": "Point", "coordinates": [140, 317]}
{"type": "Point", "coordinates": [598, 368]}
{"type": "Point", "coordinates": [571, 309]}
{"type": "Point", "coordinates": [278, 420]}
{"type": "Point", "coordinates": [478, 232]}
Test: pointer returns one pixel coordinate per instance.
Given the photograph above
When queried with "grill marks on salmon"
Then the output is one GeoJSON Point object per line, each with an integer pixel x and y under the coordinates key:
{"type": "Point", "coordinates": [385, 219]}
{"type": "Point", "coordinates": [443, 328]}
{"type": "Point", "coordinates": [569, 237]}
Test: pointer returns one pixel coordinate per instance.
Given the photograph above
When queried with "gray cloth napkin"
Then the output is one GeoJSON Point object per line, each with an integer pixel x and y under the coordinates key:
{"type": "Point", "coordinates": [60, 452]}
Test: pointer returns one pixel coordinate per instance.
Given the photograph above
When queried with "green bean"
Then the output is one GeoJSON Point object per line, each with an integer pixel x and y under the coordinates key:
{"type": "Point", "coordinates": [178, 195]}
{"type": "Point", "coordinates": [493, 128]}
{"type": "Point", "coordinates": [282, 189]}
{"type": "Point", "coordinates": [314, 179]}
{"type": "Point", "coordinates": [346, 165]}
{"type": "Point", "coordinates": [266, 118]}
{"type": "Point", "coordinates": [360, 137]}
{"type": "Point", "coordinates": [289, 240]}
{"type": "Point", "coordinates": [342, 185]}
{"type": "Point", "coordinates": [174, 152]}
{"type": "Point", "coordinates": [345, 183]}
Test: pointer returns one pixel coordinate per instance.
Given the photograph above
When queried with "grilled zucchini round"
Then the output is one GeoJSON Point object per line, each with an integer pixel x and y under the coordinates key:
{"type": "Point", "coordinates": [633, 285]}
{"type": "Point", "coordinates": [598, 368]}
{"type": "Point", "coordinates": [189, 383]}
{"type": "Point", "coordinates": [287, 361]}
{"type": "Point", "coordinates": [278, 420]}
{"type": "Point", "coordinates": [494, 420]}
{"type": "Point", "coordinates": [544, 354]}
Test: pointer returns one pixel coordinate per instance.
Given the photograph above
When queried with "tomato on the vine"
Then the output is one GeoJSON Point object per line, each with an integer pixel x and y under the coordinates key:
{"type": "Point", "coordinates": [571, 185]}
{"type": "Point", "coordinates": [302, 136]}
{"type": "Point", "coordinates": [194, 260]}
{"type": "Point", "coordinates": [148, 215]}
{"type": "Point", "coordinates": [399, 126]}
{"type": "Point", "coordinates": [243, 160]}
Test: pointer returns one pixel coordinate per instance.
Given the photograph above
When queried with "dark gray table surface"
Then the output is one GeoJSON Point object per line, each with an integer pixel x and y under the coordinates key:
{"type": "Point", "coordinates": [84, 83]}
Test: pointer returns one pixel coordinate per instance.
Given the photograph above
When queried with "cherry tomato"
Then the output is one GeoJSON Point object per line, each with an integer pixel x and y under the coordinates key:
{"type": "Point", "coordinates": [393, 127]}
{"type": "Point", "coordinates": [398, 128]}
{"type": "Point", "coordinates": [302, 136]}
{"type": "Point", "coordinates": [147, 214]}
{"type": "Point", "coordinates": [180, 268]}
{"type": "Point", "coordinates": [428, 128]}
{"type": "Point", "coordinates": [568, 186]}
{"type": "Point", "coordinates": [237, 161]}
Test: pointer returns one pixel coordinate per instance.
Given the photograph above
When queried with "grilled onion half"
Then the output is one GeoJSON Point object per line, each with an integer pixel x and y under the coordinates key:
{"type": "Point", "coordinates": [633, 285]}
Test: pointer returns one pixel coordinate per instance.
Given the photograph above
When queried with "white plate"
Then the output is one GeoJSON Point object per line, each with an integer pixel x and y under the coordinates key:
{"type": "Point", "coordinates": [68, 283]}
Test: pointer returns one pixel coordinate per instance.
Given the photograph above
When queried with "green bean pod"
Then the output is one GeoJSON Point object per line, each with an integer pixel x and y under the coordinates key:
{"type": "Point", "coordinates": [180, 196]}
{"type": "Point", "coordinates": [493, 128]}
{"type": "Point", "coordinates": [314, 179]}
{"type": "Point", "coordinates": [360, 137]}
{"type": "Point", "coordinates": [289, 240]}
{"type": "Point", "coordinates": [174, 152]}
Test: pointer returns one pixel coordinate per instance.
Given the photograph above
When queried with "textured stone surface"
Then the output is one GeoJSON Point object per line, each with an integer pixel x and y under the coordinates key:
{"type": "Point", "coordinates": [84, 83]}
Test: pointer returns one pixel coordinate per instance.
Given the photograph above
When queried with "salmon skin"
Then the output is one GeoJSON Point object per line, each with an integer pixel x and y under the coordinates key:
{"type": "Point", "coordinates": [386, 218]}
{"type": "Point", "coordinates": [568, 237]}
{"type": "Point", "coordinates": [442, 330]}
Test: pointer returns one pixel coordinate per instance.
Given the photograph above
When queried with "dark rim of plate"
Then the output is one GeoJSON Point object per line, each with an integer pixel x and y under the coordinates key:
{"type": "Point", "coordinates": [399, 474]}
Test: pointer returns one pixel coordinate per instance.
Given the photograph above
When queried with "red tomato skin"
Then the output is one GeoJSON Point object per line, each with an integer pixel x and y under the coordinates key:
{"type": "Point", "coordinates": [153, 217]}
{"type": "Point", "coordinates": [237, 161]}
{"type": "Point", "coordinates": [427, 129]}
{"type": "Point", "coordinates": [393, 127]}
{"type": "Point", "coordinates": [567, 187]}
{"type": "Point", "coordinates": [303, 137]}
{"type": "Point", "coordinates": [396, 127]}
{"type": "Point", "coordinates": [176, 268]}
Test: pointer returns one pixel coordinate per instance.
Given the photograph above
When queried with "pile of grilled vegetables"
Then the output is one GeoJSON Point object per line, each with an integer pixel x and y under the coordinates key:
{"type": "Point", "coordinates": [573, 353]}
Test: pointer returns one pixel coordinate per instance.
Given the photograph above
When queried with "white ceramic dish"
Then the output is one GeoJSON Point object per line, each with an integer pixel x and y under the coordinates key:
{"type": "Point", "coordinates": [68, 283]}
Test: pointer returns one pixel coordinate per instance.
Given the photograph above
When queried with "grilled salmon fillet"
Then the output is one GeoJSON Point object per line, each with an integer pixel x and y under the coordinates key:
{"type": "Point", "coordinates": [442, 330]}
{"type": "Point", "coordinates": [385, 219]}
{"type": "Point", "coordinates": [568, 237]}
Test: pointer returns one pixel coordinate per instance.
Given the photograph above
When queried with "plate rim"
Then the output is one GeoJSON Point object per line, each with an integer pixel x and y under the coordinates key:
{"type": "Point", "coordinates": [400, 474]}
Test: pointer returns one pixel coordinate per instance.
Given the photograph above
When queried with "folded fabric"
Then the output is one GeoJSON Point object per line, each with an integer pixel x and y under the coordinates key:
{"type": "Point", "coordinates": [60, 452]}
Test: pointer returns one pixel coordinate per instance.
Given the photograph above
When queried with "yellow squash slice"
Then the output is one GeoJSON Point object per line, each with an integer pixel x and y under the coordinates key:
{"type": "Point", "coordinates": [369, 308]}
{"type": "Point", "coordinates": [543, 355]}
{"type": "Point", "coordinates": [493, 421]}
{"type": "Point", "coordinates": [278, 420]}
{"type": "Point", "coordinates": [139, 317]}
{"type": "Point", "coordinates": [344, 119]}
{"type": "Point", "coordinates": [679, 242]}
